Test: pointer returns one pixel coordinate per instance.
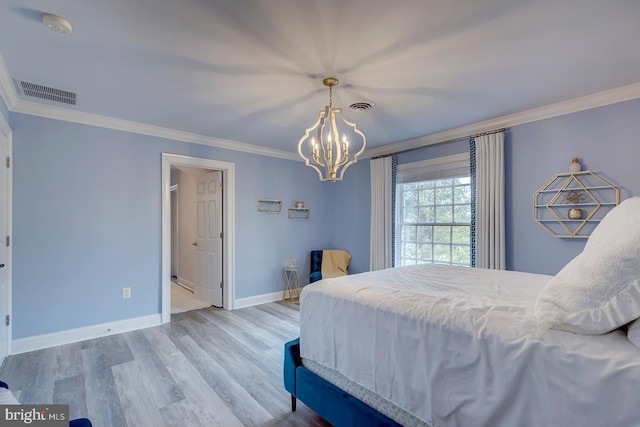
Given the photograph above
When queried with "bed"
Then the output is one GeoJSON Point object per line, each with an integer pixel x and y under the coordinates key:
{"type": "Point", "coordinates": [433, 345]}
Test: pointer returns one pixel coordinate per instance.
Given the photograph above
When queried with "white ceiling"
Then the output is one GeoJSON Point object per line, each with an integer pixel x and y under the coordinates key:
{"type": "Point", "coordinates": [251, 71]}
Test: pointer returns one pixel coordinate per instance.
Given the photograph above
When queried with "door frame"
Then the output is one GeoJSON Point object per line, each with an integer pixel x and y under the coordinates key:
{"type": "Point", "coordinates": [7, 133]}
{"type": "Point", "coordinates": [228, 227]}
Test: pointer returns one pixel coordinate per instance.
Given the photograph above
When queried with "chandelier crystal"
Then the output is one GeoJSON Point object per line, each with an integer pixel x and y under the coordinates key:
{"type": "Point", "coordinates": [332, 143]}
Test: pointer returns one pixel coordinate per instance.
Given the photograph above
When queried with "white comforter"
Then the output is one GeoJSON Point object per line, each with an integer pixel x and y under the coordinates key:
{"type": "Point", "coordinates": [458, 346]}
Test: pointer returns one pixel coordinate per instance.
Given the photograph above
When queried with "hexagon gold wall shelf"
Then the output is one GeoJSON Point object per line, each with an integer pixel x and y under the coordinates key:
{"type": "Point", "coordinates": [570, 205]}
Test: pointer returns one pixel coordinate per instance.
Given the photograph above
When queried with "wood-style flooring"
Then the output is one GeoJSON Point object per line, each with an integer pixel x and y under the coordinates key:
{"type": "Point", "coordinates": [208, 367]}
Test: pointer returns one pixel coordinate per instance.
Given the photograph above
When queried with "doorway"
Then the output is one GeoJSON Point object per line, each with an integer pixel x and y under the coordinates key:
{"type": "Point", "coordinates": [227, 244]}
{"type": "Point", "coordinates": [196, 238]}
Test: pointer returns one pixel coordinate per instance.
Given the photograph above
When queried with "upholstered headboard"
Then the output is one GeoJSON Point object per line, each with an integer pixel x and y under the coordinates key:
{"type": "Point", "coordinates": [316, 266]}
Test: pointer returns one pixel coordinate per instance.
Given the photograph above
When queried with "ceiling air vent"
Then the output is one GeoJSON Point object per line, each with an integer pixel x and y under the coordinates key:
{"type": "Point", "coordinates": [361, 106]}
{"type": "Point", "coordinates": [46, 92]}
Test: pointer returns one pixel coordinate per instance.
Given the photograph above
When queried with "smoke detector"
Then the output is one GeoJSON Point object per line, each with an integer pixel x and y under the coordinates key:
{"type": "Point", "coordinates": [56, 23]}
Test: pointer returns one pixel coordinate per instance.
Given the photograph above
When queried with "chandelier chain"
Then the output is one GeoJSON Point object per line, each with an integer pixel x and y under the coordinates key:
{"type": "Point", "coordinates": [331, 97]}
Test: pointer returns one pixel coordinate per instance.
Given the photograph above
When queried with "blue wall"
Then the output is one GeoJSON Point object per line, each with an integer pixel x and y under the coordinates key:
{"type": "Point", "coordinates": [84, 228]}
{"type": "Point", "coordinates": [87, 204]}
{"type": "Point", "coordinates": [606, 141]}
{"type": "Point", "coordinates": [349, 216]}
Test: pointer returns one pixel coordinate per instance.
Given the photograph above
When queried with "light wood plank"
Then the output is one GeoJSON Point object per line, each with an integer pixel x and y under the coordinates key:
{"type": "Point", "coordinates": [200, 398]}
{"type": "Point", "coordinates": [115, 349]}
{"type": "Point", "coordinates": [187, 413]}
{"type": "Point", "coordinates": [242, 366]}
{"type": "Point", "coordinates": [158, 382]}
{"type": "Point", "coordinates": [238, 399]}
{"type": "Point", "coordinates": [69, 361]}
{"type": "Point", "coordinates": [71, 391]}
{"type": "Point", "coordinates": [103, 401]}
{"type": "Point", "coordinates": [208, 367]}
{"type": "Point", "coordinates": [137, 400]}
{"type": "Point", "coordinates": [39, 388]}
{"type": "Point", "coordinates": [285, 331]}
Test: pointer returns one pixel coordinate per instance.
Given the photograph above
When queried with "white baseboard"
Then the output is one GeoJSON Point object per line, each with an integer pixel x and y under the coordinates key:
{"type": "Point", "coordinates": [38, 342]}
{"type": "Point", "coordinates": [258, 299]}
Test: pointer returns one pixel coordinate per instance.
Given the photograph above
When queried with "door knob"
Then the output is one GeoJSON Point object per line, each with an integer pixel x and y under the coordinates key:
{"type": "Point", "coordinates": [195, 243]}
{"type": "Point", "coordinates": [1, 265]}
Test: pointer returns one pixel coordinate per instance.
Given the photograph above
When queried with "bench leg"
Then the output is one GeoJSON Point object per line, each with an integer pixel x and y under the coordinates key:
{"type": "Point", "coordinates": [293, 403]}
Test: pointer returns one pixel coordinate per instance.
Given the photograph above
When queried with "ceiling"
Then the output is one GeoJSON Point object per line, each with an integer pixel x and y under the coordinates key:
{"type": "Point", "coordinates": [250, 71]}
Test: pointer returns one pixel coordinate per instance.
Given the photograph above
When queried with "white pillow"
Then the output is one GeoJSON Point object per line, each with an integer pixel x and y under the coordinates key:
{"type": "Point", "coordinates": [599, 290]}
{"type": "Point", "coordinates": [633, 333]}
{"type": "Point", "coordinates": [6, 397]}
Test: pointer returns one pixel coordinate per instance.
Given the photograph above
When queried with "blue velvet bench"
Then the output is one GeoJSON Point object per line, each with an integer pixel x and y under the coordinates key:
{"type": "Point", "coordinates": [330, 402]}
{"type": "Point", "coordinates": [80, 422]}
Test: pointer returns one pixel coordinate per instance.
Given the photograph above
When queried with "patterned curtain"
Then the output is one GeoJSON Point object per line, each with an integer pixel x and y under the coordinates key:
{"type": "Point", "coordinates": [394, 172]}
{"type": "Point", "coordinates": [472, 175]}
{"type": "Point", "coordinates": [488, 225]}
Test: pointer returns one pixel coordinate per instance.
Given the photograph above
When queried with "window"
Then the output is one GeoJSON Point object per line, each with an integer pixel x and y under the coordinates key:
{"type": "Point", "coordinates": [433, 216]}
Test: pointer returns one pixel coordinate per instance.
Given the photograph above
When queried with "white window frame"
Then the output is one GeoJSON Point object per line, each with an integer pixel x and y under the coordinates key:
{"type": "Point", "coordinates": [438, 168]}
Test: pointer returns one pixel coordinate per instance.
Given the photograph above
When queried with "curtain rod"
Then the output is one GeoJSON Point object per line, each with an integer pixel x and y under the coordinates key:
{"type": "Point", "coordinates": [381, 156]}
{"type": "Point", "coordinates": [488, 133]}
{"type": "Point", "coordinates": [442, 142]}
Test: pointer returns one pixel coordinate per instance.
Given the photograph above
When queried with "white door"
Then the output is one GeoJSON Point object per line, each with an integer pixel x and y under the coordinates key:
{"type": "Point", "coordinates": [4, 282]}
{"type": "Point", "coordinates": [175, 248]}
{"type": "Point", "coordinates": [209, 238]}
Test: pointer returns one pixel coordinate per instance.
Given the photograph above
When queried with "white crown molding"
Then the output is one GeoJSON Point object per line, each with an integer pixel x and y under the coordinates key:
{"type": "Point", "coordinates": [64, 114]}
{"type": "Point", "coordinates": [7, 91]}
{"type": "Point", "coordinates": [15, 104]}
{"type": "Point", "coordinates": [4, 126]}
{"type": "Point", "coordinates": [600, 99]}
{"type": "Point", "coordinates": [38, 342]}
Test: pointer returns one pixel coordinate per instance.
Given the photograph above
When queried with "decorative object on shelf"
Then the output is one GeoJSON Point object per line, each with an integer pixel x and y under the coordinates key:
{"type": "Point", "coordinates": [269, 205]}
{"type": "Point", "coordinates": [290, 262]}
{"type": "Point", "coordinates": [586, 197]}
{"type": "Point", "coordinates": [574, 213]}
{"type": "Point", "coordinates": [299, 213]}
{"type": "Point", "coordinates": [575, 166]}
{"type": "Point", "coordinates": [330, 149]}
{"type": "Point", "coordinates": [573, 198]}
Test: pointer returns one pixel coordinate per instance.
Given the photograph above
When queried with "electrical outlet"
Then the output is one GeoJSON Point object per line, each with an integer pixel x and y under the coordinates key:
{"type": "Point", "coordinates": [126, 293]}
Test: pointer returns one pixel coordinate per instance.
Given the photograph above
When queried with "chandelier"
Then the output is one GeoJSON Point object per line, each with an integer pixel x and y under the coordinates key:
{"type": "Point", "coordinates": [328, 145]}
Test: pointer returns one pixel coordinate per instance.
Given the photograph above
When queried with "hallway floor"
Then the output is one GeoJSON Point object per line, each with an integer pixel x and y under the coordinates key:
{"type": "Point", "coordinates": [182, 300]}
